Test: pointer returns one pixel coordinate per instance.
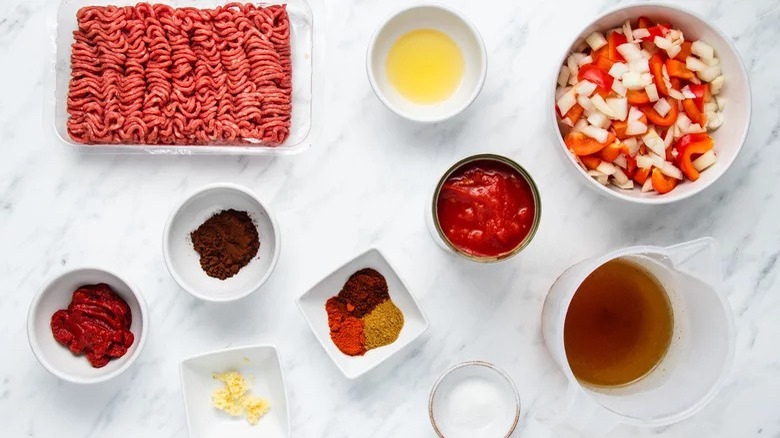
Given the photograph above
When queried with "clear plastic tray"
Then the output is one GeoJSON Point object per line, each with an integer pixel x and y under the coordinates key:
{"type": "Point", "coordinates": [306, 45]}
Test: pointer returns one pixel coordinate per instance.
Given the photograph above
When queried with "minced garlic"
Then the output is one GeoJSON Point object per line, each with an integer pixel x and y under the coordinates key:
{"type": "Point", "coordinates": [233, 398]}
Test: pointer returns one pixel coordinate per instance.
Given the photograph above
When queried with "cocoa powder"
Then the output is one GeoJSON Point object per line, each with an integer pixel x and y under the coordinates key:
{"type": "Point", "coordinates": [226, 243]}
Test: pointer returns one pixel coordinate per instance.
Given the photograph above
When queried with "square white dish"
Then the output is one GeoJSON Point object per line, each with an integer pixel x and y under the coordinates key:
{"type": "Point", "coordinates": [312, 306]}
{"type": "Point", "coordinates": [306, 43]}
{"type": "Point", "coordinates": [261, 367]}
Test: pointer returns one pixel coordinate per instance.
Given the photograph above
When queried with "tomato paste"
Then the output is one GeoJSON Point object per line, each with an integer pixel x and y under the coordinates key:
{"type": "Point", "coordinates": [96, 323]}
{"type": "Point", "coordinates": [486, 208]}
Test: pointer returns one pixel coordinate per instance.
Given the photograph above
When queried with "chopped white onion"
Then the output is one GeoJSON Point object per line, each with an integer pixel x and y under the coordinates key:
{"type": "Point", "coordinates": [560, 91]}
{"type": "Point", "coordinates": [647, 79]}
{"type": "Point", "coordinates": [586, 104]}
{"type": "Point", "coordinates": [675, 94]}
{"type": "Point", "coordinates": [644, 161]}
{"type": "Point", "coordinates": [596, 40]}
{"type": "Point", "coordinates": [641, 33]}
{"type": "Point", "coordinates": [595, 173]}
{"type": "Point", "coordinates": [634, 114]}
{"type": "Point", "coordinates": [574, 69]}
{"type": "Point", "coordinates": [683, 121]}
{"type": "Point", "coordinates": [702, 50]}
{"type": "Point", "coordinates": [695, 128]}
{"type": "Point", "coordinates": [617, 69]}
{"type": "Point", "coordinates": [603, 180]}
{"type": "Point", "coordinates": [654, 142]}
{"type": "Point", "coordinates": [620, 177]}
{"type": "Point", "coordinates": [710, 73]}
{"type": "Point", "coordinates": [670, 170]}
{"type": "Point", "coordinates": [665, 74]}
{"type": "Point", "coordinates": [585, 88]}
{"type": "Point", "coordinates": [633, 81]}
{"type": "Point", "coordinates": [686, 91]}
{"type": "Point", "coordinates": [566, 102]}
{"type": "Point", "coordinates": [669, 138]}
{"type": "Point", "coordinates": [628, 185]}
{"type": "Point", "coordinates": [632, 145]}
{"type": "Point", "coordinates": [619, 106]}
{"type": "Point", "coordinates": [580, 125]}
{"type": "Point", "coordinates": [627, 31]}
{"type": "Point", "coordinates": [629, 51]}
{"type": "Point", "coordinates": [673, 51]}
{"type": "Point", "coordinates": [619, 88]}
{"type": "Point", "coordinates": [705, 160]}
{"type": "Point", "coordinates": [694, 64]}
{"type": "Point", "coordinates": [606, 168]}
{"type": "Point", "coordinates": [717, 84]}
{"type": "Point", "coordinates": [585, 60]}
{"type": "Point", "coordinates": [620, 161]}
{"type": "Point", "coordinates": [636, 128]}
{"type": "Point", "coordinates": [648, 186]}
{"type": "Point", "coordinates": [662, 107]}
{"type": "Point", "coordinates": [662, 43]}
{"type": "Point", "coordinates": [639, 65]}
{"type": "Point", "coordinates": [563, 76]}
{"type": "Point", "coordinates": [711, 107]}
{"type": "Point", "coordinates": [713, 61]}
{"type": "Point", "coordinates": [601, 105]}
{"type": "Point", "coordinates": [599, 119]}
{"type": "Point", "coordinates": [652, 92]}
{"type": "Point", "coordinates": [596, 133]}
{"type": "Point", "coordinates": [714, 120]}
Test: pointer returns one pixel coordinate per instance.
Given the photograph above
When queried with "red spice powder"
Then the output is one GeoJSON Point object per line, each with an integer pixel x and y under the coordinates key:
{"type": "Point", "coordinates": [346, 330]}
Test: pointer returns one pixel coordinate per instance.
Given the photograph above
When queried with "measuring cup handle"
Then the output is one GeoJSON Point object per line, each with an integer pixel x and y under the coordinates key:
{"type": "Point", "coordinates": [579, 416]}
{"type": "Point", "coordinates": [698, 258]}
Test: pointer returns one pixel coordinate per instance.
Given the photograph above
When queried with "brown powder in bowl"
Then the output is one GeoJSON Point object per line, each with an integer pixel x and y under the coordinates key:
{"type": "Point", "coordinates": [226, 243]}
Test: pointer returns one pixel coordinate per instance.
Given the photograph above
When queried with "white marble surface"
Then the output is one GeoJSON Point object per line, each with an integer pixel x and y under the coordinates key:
{"type": "Point", "coordinates": [365, 183]}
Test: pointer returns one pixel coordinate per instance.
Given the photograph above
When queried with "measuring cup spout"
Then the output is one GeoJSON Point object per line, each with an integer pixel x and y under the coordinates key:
{"type": "Point", "coordinates": [698, 258]}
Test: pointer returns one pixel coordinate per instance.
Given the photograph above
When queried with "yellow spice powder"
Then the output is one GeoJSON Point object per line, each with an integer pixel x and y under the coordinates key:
{"type": "Point", "coordinates": [383, 324]}
{"type": "Point", "coordinates": [233, 398]}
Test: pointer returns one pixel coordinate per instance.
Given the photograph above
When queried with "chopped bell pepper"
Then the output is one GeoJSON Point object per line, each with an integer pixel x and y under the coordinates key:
{"type": "Point", "coordinates": [641, 175]}
{"type": "Point", "coordinates": [615, 39]}
{"type": "Point", "coordinates": [610, 152]}
{"type": "Point", "coordinates": [702, 93]}
{"type": "Point", "coordinates": [693, 112]}
{"type": "Point", "coordinates": [637, 97]}
{"type": "Point", "coordinates": [662, 183]}
{"type": "Point", "coordinates": [603, 62]}
{"type": "Point", "coordinates": [643, 22]}
{"type": "Point", "coordinates": [631, 167]}
{"type": "Point", "coordinates": [688, 146]}
{"type": "Point", "coordinates": [659, 30]}
{"type": "Point", "coordinates": [592, 73]}
{"type": "Point", "coordinates": [656, 68]}
{"type": "Point", "coordinates": [685, 51]}
{"type": "Point", "coordinates": [574, 113]}
{"type": "Point", "coordinates": [654, 117]}
{"type": "Point", "coordinates": [580, 144]}
{"type": "Point", "coordinates": [590, 161]}
{"type": "Point", "coordinates": [678, 69]}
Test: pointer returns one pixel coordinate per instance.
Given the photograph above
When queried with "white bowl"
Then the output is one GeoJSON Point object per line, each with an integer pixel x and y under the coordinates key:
{"type": "Point", "coordinates": [56, 295]}
{"type": "Point", "coordinates": [729, 138]}
{"type": "Point", "coordinates": [488, 388]}
{"type": "Point", "coordinates": [448, 21]}
{"type": "Point", "coordinates": [261, 366]}
{"type": "Point", "coordinates": [184, 262]}
{"type": "Point", "coordinates": [312, 306]}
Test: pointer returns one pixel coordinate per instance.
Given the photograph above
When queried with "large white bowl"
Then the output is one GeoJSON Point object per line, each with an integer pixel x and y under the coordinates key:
{"type": "Point", "coordinates": [183, 261]}
{"type": "Point", "coordinates": [448, 21]}
{"type": "Point", "coordinates": [729, 138]}
{"type": "Point", "coordinates": [56, 295]}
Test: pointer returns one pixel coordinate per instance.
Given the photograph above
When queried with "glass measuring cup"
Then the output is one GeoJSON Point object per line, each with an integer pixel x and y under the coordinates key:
{"type": "Point", "coordinates": [698, 358]}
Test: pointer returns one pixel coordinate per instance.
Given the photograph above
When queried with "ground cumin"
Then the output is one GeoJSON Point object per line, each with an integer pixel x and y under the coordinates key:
{"type": "Point", "coordinates": [226, 243]}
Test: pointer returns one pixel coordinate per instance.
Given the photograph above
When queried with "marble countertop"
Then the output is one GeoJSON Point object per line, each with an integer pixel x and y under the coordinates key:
{"type": "Point", "coordinates": [365, 183]}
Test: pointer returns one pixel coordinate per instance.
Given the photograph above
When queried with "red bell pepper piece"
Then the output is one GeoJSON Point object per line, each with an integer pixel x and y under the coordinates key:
{"type": "Point", "coordinates": [693, 112]}
{"type": "Point", "coordinates": [604, 63]}
{"type": "Point", "coordinates": [613, 41]}
{"type": "Point", "coordinates": [592, 73]}
{"type": "Point", "coordinates": [678, 69]}
{"type": "Point", "coordinates": [641, 175]}
{"type": "Point", "coordinates": [637, 97]}
{"type": "Point", "coordinates": [611, 152]}
{"type": "Point", "coordinates": [620, 126]}
{"type": "Point", "coordinates": [574, 113]}
{"type": "Point", "coordinates": [656, 68]}
{"type": "Point", "coordinates": [654, 117]}
{"type": "Point", "coordinates": [580, 144]}
{"type": "Point", "coordinates": [631, 167]}
{"type": "Point", "coordinates": [688, 146]}
{"type": "Point", "coordinates": [662, 183]}
{"type": "Point", "coordinates": [657, 30]}
{"type": "Point", "coordinates": [702, 93]}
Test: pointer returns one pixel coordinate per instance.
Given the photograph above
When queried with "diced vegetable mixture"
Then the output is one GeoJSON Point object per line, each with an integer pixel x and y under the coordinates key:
{"type": "Point", "coordinates": [636, 106]}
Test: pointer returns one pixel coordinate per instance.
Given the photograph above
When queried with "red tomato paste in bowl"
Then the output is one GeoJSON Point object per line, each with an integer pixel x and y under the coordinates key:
{"type": "Point", "coordinates": [96, 323]}
{"type": "Point", "coordinates": [487, 208]}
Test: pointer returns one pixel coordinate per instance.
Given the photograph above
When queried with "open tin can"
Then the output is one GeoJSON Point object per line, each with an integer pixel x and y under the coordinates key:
{"type": "Point", "coordinates": [432, 213]}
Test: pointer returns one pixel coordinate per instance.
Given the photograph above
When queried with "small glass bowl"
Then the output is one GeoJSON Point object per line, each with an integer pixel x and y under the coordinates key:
{"type": "Point", "coordinates": [483, 379]}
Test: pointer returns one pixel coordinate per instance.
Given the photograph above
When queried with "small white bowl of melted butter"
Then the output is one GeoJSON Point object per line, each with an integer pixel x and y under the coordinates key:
{"type": "Point", "coordinates": [427, 63]}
